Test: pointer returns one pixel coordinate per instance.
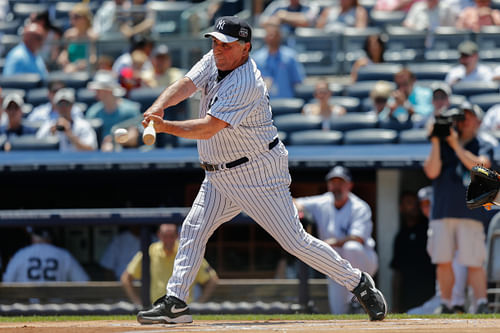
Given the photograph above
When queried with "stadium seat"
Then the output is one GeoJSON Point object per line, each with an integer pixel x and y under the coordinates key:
{"type": "Point", "coordinates": [315, 137]}
{"type": "Point", "coordinates": [351, 104]}
{"type": "Point", "coordinates": [355, 120]}
{"type": "Point", "coordinates": [394, 124]}
{"type": "Point", "coordinates": [31, 142]}
{"type": "Point", "coordinates": [21, 81]}
{"type": "Point", "coordinates": [281, 106]}
{"type": "Point", "coordinates": [384, 18]}
{"type": "Point", "coordinates": [447, 38]}
{"type": "Point", "coordinates": [75, 80]}
{"type": "Point", "coordinates": [317, 49]}
{"type": "Point", "coordinates": [469, 88]}
{"type": "Point", "coordinates": [7, 42]}
{"type": "Point", "coordinates": [456, 100]}
{"type": "Point", "coordinates": [370, 136]}
{"type": "Point", "coordinates": [401, 38]}
{"type": "Point", "coordinates": [485, 101]}
{"type": "Point", "coordinates": [353, 40]}
{"type": "Point", "coordinates": [414, 135]}
{"type": "Point", "coordinates": [184, 143]}
{"type": "Point", "coordinates": [361, 89]}
{"type": "Point", "coordinates": [429, 71]}
{"type": "Point", "coordinates": [22, 11]}
{"type": "Point", "coordinates": [297, 122]}
{"type": "Point", "coordinates": [446, 56]}
{"type": "Point", "coordinates": [145, 96]}
{"type": "Point", "coordinates": [86, 96]}
{"type": "Point", "coordinates": [37, 96]}
{"type": "Point", "coordinates": [168, 15]}
{"type": "Point", "coordinates": [304, 91]}
{"type": "Point", "coordinates": [488, 37]}
{"type": "Point", "coordinates": [10, 27]}
{"type": "Point", "coordinates": [375, 72]}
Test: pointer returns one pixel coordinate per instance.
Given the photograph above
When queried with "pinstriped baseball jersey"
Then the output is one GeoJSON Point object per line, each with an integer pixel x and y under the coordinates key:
{"type": "Point", "coordinates": [240, 99]}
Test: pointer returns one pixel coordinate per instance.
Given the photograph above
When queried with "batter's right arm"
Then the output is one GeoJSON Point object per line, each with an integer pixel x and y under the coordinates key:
{"type": "Point", "coordinates": [172, 95]}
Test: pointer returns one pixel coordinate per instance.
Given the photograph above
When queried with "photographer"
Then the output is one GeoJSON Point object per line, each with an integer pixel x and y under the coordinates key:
{"type": "Point", "coordinates": [456, 147]}
{"type": "Point", "coordinates": [75, 134]}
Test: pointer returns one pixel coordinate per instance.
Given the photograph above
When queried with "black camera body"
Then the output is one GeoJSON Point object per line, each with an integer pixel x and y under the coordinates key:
{"type": "Point", "coordinates": [60, 128]}
{"type": "Point", "coordinates": [445, 120]}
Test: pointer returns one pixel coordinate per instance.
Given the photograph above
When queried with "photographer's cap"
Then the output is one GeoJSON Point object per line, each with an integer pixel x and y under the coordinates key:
{"type": "Point", "coordinates": [474, 108]}
{"type": "Point", "coordinates": [229, 29]}
{"type": "Point", "coordinates": [441, 86]}
{"type": "Point", "coordinates": [64, 94]}
{"type": "Point", "coordinates": [339, 172]}
{"type": "Point", "coordinates": [467, 47]}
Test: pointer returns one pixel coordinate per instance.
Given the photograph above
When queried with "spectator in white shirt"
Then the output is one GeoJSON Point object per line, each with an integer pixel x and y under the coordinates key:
{"type": "Point", "coordinates": [469, 69]}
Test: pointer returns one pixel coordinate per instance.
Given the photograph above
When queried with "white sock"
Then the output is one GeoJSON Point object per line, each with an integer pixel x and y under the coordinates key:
{"type": "Point", "coordinates": [482, 300]}
{"type": "Point", "coordinates": [446, 302]}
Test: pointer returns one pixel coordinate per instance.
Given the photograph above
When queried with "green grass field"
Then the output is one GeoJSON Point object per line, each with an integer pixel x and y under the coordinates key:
{"type": "Point", "coordinates": [259, 317]}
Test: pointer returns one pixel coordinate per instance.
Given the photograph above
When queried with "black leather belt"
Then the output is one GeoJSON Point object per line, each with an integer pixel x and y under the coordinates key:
{"type": "Point", "coordinates": [216, 167]}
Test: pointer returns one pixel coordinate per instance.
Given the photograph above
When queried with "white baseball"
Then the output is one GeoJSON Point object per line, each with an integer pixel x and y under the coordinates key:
{"type": "Point", "coordinates": [121, 135]}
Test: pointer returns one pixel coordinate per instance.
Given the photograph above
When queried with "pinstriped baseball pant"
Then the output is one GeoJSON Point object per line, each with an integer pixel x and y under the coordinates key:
{"type": "Point", "coordinates": [260, 188]}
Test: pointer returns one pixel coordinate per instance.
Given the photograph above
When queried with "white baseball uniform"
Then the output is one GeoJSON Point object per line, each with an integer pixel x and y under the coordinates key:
{"type": "Point", "coordinates": [259, 186]}
{"type": "Point", "coordinates": [352, 219]}
{"type": "Point", "coordinates": [43, 263]}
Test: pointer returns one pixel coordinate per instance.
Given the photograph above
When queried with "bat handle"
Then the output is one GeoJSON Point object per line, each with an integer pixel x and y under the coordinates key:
{"type": "Point", "coordinates": [149, 135]}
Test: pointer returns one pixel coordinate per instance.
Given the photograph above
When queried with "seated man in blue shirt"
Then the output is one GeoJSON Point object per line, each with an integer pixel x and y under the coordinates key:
{"type": "Point", "coordinates": [24, 57]}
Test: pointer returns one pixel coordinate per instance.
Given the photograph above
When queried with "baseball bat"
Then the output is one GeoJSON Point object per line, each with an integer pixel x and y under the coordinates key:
{"type": "Point", "coordinates": [149, 134]}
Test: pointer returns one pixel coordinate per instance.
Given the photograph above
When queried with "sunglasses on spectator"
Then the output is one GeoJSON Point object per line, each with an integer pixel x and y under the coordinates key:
{"type": "Point", "coordinates": [64, 104]}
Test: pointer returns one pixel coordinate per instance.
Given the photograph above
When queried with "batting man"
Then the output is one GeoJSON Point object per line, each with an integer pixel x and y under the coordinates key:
{"type": "Point", "coordinates": [246, 170]}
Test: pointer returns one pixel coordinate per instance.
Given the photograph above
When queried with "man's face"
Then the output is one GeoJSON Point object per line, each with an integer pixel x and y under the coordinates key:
{"type": "Point", "coordinates": [64, 109]}
{"type": "Point", "coordinates": [228, 56]}
{"type": "Point", "coordinates": [161, 63]}
{"type": "Point", "coordinates": [408, 207]}
{"type": "Point", "coordinates": [440, 101]}
{"type": "Point", "coordinates": [468, 127]}
{"type": "Point", "coordinates": [469, 61]}
{"type": "Point", "coordinates": [404, 83]}
{"type": "Point", "coordinates": [167, 235]}
{"type": "Point", "coordinates": [15, 114]}
{"type": "Point", "coordinates": [339, 188]}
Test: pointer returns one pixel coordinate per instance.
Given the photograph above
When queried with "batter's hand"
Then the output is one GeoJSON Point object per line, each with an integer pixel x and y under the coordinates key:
{"type": "Point", "coordinates": [156, 119]}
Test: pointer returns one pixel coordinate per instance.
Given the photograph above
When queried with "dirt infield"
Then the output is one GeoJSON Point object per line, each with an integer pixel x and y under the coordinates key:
{"type": "Point", "coordinates": [350, 326]}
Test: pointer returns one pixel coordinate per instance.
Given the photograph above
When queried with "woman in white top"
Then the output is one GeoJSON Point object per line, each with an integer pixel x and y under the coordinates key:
{"type": "Point", "coordinates": [322, 106]}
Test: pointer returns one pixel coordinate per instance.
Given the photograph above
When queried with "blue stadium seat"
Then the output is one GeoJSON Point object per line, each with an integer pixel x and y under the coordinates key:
{"type": "Point", "coordinates": [401, 38]}
{"type": "Point", "coordinates": [456, 100]}
{"type": "Point", "coordinates": [37, 96]}
{"type": "Point", "coordinates": [168, 15]}
{"type": "Point", "coordinates": [429, 71]}
{"type": "Point", "coordinates": [384, 18]}
{"type": "Point", "coordinates": [395, 124]}
{"type": "Point", "coordinates": [370, 136]}
{"type": "Point", "coordinates": [446, 56]}
{"type": "Point", "coordinates": [469, 88]}
{"type": "Point", "coordinates": [31, 142]}
{"type": "Point", "coordinates": [86, 96]}
{"type": "Point", "coordinates": [281, 106]}
{"type": "Point", "coordinates": [375, 72]}
{"type": "Point", "coordinates": [317, 49]}
{"type": "Point", "coordinates": [22, 11]}
{"type": "Point", "coordinates": [488, 38]}
{"type": "Point", "coordinates": [75, 80]}
{"type": "Point", "coordinates": [297, 122]}
{"type": "Point", "coordinates": [21, 81]}
{"type": "Point", "coordinates": [361, 89]}
{"type": "Point", "coordinates": [485, 101]}
{"type": "Point", "coordinates": [414, 135]}
{"type": "Point", "coordinates": [7, 42]}
{"type": "Point", "coordinates": [351, 104]}
{"type": "Point", "coordinates": [315, 137]}
{"type": "Point", "coordinates": [447, 38]}
{"type": "Point", "coordinates": [355, 120]}
{"type": "Point", "coordinates": [184, 143]}
{"type": "Point", "coordinates": [353, 40]}
{"type": "Point", "coordinates": [145, 96]}
{"type": "Point", "coordinates": [10, 27]}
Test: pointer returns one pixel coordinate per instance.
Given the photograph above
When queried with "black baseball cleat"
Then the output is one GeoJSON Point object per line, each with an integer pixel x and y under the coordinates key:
{"type": "Point", "coordinates": [370, 298]}
{"type": "Point", "coordinates": [166, 310]}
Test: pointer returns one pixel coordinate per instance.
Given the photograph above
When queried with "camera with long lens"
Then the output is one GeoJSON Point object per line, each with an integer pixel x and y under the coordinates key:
{"type": "Point", "coordinates": [445, 120]}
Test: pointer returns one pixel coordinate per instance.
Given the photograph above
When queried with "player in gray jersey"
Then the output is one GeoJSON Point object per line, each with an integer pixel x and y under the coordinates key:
{"type": "Point", "coordinates": [246, 170]}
